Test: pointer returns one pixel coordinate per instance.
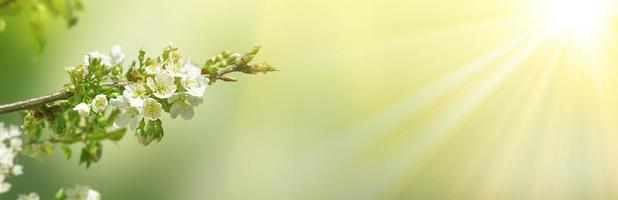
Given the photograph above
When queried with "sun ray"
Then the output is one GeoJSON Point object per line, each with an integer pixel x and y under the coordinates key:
{"type": "Point", "coordinates": [427, 136]}
{"type": "Point", "coordinates": [501, 163]}
{"type": "Point", "coordinates": [354, 140]}
{"type": "Point", "coordinates": [433, 131]}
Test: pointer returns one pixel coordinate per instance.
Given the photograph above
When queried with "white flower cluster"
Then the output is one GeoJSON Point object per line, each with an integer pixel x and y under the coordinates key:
{"type": "Point", "coordinates": [115, 57]}
{"type": "Point", "coordinates": [179, 83]}
{"type": "Point", "coordinates": [163, 85]}
{"type": "Point", "coordinates": [79, 192]}
{"type": "Point", "coordinates": [10, 145]}
{"type": "Point", "coordinates": [31, 196]}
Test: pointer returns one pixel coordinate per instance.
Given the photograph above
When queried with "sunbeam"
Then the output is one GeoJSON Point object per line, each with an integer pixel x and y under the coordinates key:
{"type": "Point", "coordinates": [360, 136]}
{"type": "Point", "coordinates": [396, 166]}
{"type": "Point", "coordinates": [431, 132]}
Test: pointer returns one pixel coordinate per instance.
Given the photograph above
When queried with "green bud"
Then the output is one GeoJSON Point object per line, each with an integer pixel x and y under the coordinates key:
{"type": "Point", "coordinates": [167, 52]}
{"type": "Point", "coordinates": [117, 70]}
{"type": "Point", "coordinates": [262, 68]}
{"type": "Point", "coordinates": [226, 54]}
{"type": "Point", "coordinates": [219, 58]}
{"type": "Point", "coordinates": [248, 57]}
{"type": "Point", "coordinates": [141, 54]}
{"type": "Point", "coordinates": [233, 59]}
{"type": "Point", "coordinates": [146, 133]}
{"type": "Point", "coordinates": [255, 50]}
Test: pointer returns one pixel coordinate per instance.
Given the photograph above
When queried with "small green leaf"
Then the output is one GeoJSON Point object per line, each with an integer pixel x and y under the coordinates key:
{"type": "Point", "coordinates": [77, 4]}
{"type": "Point", "coordinates": [66, 149]}
{"type": "Point", "coordinates": [116, 135]}
{"type": "Point", "coordinates": [59, 125]}
{"type": "Point", "coordinates": [96, 136]}
{"type": "Point", "coordinates": [48, 148]}
{"type": "Point", "coordinates": [60, 195]}
{"type": "Point", "coordinates": [91, 153]}
{"type": "Point", "coordinates": [38, 25]}
{"type": "Point", "coordinates": [83, 158]}
{"type": "Point", "coordinates": [141, 135]}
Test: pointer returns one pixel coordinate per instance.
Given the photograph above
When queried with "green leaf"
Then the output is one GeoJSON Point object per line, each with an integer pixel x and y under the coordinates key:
{"type": "Point", "coordinates": [96, 136]}
{"type": "Point", "coordinates": [48, 148]}
{"type": "Point", "coordinates": [66, 149]}
{"type": "Point", "coordinates": [37, 20]}
{"type": "Point", "coordinates": [59, 125]}
{"type": "Point", "coordinates": [141, 135]}
{"type": "Point", "coordinates": [84, 157]}
{"type": "Point", "coordinates": [113, 116]}
{"type": "Point", "coordinates": [60, 195]}
{"type": "Point", "coordinates": [91, 153]}
{"type": "Point", "coordinates": [116, 135]}
{"type": "Point", "coordinates": [78, 5]}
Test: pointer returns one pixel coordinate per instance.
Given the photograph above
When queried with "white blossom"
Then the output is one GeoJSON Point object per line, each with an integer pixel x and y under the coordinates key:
{"type": "Point", "coordinates": [152, 109]}
{"type": "Point", "coordinates": [6, 157]}
{"type": "Point", "coordinates": [4, 186]}
{"type": "Point", "coordinates": [116, 55]}
{"type": "Point", "coordinates": [18, 170]}
{"type": "Point", "coordinates": [31, 196]}
{"type": "Point", "coordinates": [182, 104]}
{"type": "Point", "coordinates": [135, 91]}
{"type": "Point", "coordinates": [99, 103]}
{"type": "Point", "coordinates": [163, 85]}
{"type": "Point", "coordinates": [10, 146]}
{"type": "Point", "coordinates": [8, 132]}
{"type": "Point", "coordinates": [81, 192]}
{"type": "Point", "coordinates": [130, 111]}
{"type": "Point", "coordinates": [83, 70]}
{"type": "Point", "coordinates": [83, 109]}
{"type": "Point", "coordinates": [193, 81]}
{"type": "Point", "coordinates": [69, 69]}
{"type": "Point", "coordinates": [103, 59]}
{"type": "Point", "coordinates": [176, 69]}
{"type": "Point", "coordinates": [16, 144]}
{"type": "Point", "coordinates": [153, 69]}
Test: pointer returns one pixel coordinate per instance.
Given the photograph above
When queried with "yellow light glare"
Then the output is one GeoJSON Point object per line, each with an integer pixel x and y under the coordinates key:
{"type": "Point", "coordinates": [579, 16]}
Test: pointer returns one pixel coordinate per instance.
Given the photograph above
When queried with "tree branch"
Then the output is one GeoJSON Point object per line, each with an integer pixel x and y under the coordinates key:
{"type": "Point", "coordinates": [61, 95]}
{"type": "Point", "coordinates": [34, 102]}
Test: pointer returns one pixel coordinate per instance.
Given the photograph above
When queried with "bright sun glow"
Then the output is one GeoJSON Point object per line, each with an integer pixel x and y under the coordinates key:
{"type": "Point", "coordinates": [579, 16]}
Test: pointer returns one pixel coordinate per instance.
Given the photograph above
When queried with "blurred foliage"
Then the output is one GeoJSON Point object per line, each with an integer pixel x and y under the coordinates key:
{"type": "Point", "coordinates": [39, 13]}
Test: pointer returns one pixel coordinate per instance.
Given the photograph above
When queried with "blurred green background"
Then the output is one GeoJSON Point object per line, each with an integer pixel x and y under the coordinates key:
{"type": "Point", "coordinates": [357, 111]}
